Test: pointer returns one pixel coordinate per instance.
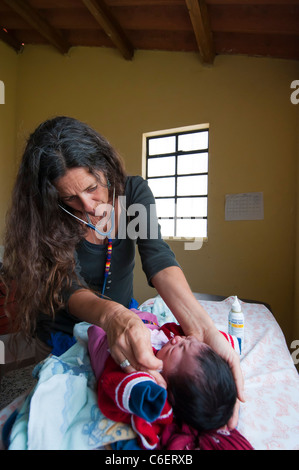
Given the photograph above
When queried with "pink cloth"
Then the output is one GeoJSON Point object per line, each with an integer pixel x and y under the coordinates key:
{"type": "Point", "coordinates": [98, 349]}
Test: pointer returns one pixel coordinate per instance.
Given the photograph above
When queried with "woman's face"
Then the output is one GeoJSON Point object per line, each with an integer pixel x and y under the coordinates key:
{"type": "Point", "coordinates": [82, 191]}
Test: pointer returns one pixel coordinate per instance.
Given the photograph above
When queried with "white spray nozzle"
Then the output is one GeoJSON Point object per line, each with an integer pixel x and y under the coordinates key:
{"type": "Point", "coordinates": [236, 307]}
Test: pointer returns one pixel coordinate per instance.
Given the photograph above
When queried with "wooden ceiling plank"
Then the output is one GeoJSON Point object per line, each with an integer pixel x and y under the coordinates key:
{"type": "Point", "coordinates": [201, 25]}
{"type": "Point", "coordinates": [285, 3]}
{"type": "Point", "coordinates": [157, 18]}
{"type": "Point", "coordinates": [31, 16]}
{"type": "Point", "coordinates": [49, 4]}
{"type": "Point", "coordinates": [259, 45]}
{"type": "Point", "coordinates": [183, 41]}
{"type": "Point", "coordinates": [10, 40]}
{"type": "Point", "coordinates": [103, 16]}
{"type": "Point", "coordinates": [274, 19]}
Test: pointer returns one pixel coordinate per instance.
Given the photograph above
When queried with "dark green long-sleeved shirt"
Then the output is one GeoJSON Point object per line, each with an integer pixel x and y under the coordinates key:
{"type": "Point", "coordinates": [137, 225]}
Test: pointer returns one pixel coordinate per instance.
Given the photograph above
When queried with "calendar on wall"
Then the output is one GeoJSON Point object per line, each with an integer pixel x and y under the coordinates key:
{"type": "Point", "coordinates": [244, 206]}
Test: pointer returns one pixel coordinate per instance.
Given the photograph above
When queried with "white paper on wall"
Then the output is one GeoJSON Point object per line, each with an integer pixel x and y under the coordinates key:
{"type": "Point", "coordinates": [244, 206]}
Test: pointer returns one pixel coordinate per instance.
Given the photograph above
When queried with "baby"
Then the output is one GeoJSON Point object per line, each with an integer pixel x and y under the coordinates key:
{"type": "Point", "coordinates": [201, 387]}
{"type": "Point", "coordinates": [201, 390]}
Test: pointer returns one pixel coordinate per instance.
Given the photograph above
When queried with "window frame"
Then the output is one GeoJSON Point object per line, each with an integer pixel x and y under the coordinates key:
{"type": "Point", "coordinates": [145, 157]}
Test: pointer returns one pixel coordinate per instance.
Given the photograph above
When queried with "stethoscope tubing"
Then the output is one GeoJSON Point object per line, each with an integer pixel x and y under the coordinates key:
{"type": "Point", "coordinates": [102, 234]}
{"type": "Point", "coordinates": [93, 227]}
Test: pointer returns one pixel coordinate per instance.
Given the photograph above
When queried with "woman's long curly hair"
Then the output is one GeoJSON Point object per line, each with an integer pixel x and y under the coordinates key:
{"type": "Point", "coordinates": [40, 239]}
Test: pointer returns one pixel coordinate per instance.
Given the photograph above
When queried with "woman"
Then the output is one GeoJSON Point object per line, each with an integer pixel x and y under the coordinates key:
{"type": "Point", "coordinates": [57, 262]}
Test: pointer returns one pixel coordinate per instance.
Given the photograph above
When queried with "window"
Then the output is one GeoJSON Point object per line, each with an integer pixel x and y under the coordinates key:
{"type": "Point", "coordinates": [176, 168]}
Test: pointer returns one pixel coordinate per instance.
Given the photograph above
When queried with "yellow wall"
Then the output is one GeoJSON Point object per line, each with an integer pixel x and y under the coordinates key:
{"type": "Point", "coordinates": [253, 147]}
{"type": "Point", "coordinates": [9, 76]}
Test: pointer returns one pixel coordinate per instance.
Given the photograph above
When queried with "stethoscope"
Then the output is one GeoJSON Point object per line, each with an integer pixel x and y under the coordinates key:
{"type": "Point", "coordinates": [102, 234]}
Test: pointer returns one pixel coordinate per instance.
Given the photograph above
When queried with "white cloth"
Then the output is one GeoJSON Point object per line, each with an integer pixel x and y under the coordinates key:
{"type": "Point", "coordinates": [61, 413]}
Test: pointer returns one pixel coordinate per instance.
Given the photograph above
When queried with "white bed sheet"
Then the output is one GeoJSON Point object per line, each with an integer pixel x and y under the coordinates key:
{"type": "Point", "coordinates": [270, 417]}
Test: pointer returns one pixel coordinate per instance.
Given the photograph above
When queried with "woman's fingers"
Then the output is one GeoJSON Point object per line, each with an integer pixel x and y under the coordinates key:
{"type": "Point", "coordinates": [232, 424]}
{"type": "Point", "coordinates": [136, 356]}
{"type": "Point", "coordinates": [146, 362]}
{"type": "Point", "coordinates": [220, 345]}
{"type": "Point", "coordinates": [130, 340]}
{"type": "Point", "coordinates": [238, 376]}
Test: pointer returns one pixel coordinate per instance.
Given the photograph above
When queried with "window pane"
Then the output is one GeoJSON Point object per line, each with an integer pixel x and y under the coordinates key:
{"type": "Point", "coordinates": [161, 166]}
{"type": "Point", "coordinates": [193, 141]}
{"type": "Point", "coordinates": [162, 186]}
{"type": "Point", "coordinates": [194, 163]}
{"type": "Point", "coordinates": [165, 207]}
{"type": "Point", "coordinates": [167, 227]}
{"type": "Point", "coordinates": [161, 145]}
{"type": "Point", "coordinates": [191, 228]}
{"type": "Point", "coordinates": [177, 173]}
{"type": "Point", "coordinates": [192, 185]}
{"type": "Point", "coordinates": [192, 207]}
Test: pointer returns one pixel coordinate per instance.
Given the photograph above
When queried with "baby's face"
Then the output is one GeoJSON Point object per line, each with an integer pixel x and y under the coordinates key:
{"type": "Point", "coordinates": [178, 354]}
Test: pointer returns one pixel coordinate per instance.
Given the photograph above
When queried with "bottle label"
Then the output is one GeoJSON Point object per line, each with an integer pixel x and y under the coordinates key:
{"type": "Point", "coordinates": [236, 325]}
{"type": "Point", "coordinates": [236, 328]}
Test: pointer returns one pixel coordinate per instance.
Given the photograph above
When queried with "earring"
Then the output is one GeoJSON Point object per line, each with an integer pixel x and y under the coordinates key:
{"type": "Point", "coordinates": [108, 184]}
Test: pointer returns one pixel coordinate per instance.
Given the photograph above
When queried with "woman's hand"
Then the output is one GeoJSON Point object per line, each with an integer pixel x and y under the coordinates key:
{"type": "Point", "coordinates": [220, 345]}
{"type": "Point", "coordinates": [129, 338]}
{"type": "Point", "coordinates": [232, 424]}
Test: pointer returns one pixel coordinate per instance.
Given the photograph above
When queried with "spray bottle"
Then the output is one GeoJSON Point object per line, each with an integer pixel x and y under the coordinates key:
{"type": "Point", "coordinates": [236, 322]}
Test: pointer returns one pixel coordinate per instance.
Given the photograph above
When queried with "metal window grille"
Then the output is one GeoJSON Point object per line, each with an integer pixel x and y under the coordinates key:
{"type": "Point", "coordinates": [177, 173]}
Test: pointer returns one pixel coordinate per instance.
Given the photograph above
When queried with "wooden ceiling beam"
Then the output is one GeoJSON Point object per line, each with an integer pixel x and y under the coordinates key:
{"type": "Point", "coordinates": [201, 25]}
{"type": "Point", "coordinates": [108, 23]}
{"type": "Point", "coordinates": [10, 40]}
{"type": "Point", "coordinates": [32, 17]}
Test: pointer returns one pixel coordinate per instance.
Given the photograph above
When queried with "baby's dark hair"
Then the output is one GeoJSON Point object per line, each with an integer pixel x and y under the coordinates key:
{"type": "Point", "coordinates": [204, 400]}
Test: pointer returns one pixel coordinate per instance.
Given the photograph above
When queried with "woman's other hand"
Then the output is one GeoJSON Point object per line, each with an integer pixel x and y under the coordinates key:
{"type": "Point", "coordinates": [220, 345]}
